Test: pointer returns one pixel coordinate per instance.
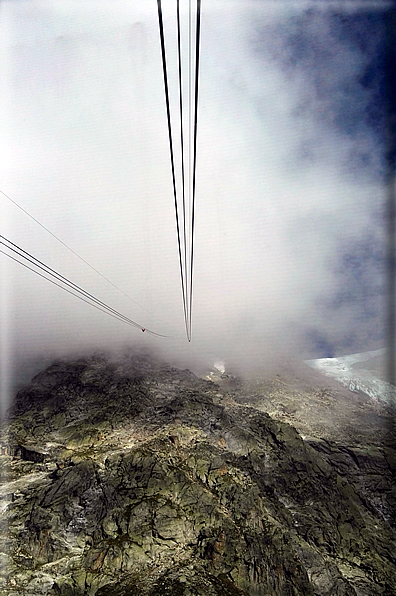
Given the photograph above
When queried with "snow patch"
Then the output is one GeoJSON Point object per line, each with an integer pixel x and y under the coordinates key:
{"type": "Point", "coordinates": [355, 379]}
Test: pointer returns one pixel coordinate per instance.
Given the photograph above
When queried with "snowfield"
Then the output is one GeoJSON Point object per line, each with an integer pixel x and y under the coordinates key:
{"type": "Point", "coordinates": [358, 378]}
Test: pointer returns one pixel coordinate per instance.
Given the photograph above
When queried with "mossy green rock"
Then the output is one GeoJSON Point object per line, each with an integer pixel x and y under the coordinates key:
{"type": "Point", "coordinates": [153, 482]}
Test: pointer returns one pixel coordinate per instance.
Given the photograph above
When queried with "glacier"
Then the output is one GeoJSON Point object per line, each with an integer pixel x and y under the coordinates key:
{"type": "Point", "coordinates": [365, 377]}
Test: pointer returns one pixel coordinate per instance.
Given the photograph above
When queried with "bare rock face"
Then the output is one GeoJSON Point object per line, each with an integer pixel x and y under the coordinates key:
{"type": "Point", "coordinates": [133, 478]}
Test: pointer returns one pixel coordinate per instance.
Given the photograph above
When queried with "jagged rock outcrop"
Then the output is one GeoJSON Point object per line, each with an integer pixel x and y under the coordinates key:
{"type": "Point", "coordinates": [132, 478]}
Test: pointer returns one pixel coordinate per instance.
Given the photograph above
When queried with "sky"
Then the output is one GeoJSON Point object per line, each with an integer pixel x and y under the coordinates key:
{"type": "Point", "coordinates": [290, 234]}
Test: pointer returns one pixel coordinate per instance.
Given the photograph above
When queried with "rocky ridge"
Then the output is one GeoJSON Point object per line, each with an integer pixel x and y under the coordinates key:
{"type": "Point", "coordinates": [129, 477]}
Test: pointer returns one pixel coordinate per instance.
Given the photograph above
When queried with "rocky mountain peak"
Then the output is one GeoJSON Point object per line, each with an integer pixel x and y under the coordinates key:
{"type": "Point", "coordinates": [129, 477]}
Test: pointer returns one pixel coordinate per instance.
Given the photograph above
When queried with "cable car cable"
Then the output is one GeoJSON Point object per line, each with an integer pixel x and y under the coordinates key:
{"type": "Point", "coordinates": [71, 285]}
{"type": "Point", "coordinates": [66, 290]}
{"type": "Point", "coordinates": [59, 277]}
{"type": "Point", "coordinates": [182, 141]}
{"type": "Point", "coordinates": [73, 251]}
{"type": "Point", "coordinates": [165, 74]}
{"type": "Point", "coordinates": [197, 39]}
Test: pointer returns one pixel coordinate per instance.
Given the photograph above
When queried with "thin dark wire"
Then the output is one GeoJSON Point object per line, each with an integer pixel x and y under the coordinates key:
{"type": "Point", "coordinates": [73, 251]}
{"type": "Point", "coordinates": [161, 28]}
{"type": "Point", "coordinates": [61, 278]}
{"type": "Point", "coordinates": [189, 115]}
{"type": "Point", "coordinates": [69, 283]}
{"type": "Point", "coordinates": [63, 288]}
{"type": "Point", "coordinates": [198, 30]}
{"type": "Point", "coordinates": [182, 143]}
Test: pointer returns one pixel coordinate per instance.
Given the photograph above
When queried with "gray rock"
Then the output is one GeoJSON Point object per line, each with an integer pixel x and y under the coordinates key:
{"type": "Point", "coordinates": [151, 481]}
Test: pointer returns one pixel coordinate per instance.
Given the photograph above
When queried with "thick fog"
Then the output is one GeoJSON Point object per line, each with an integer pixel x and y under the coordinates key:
{"type": "Point", "coordinates": [290, 195]}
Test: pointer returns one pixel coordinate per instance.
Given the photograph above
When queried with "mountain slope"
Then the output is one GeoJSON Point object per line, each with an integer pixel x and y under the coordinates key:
{"type": "Point", "coordinates": [130, 477]}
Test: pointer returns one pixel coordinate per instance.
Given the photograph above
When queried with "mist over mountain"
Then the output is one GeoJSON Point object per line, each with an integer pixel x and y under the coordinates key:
{"type": "Point", "coordinates": [139, 465]}
{"type": "Point", "coordinates": [290, 247]}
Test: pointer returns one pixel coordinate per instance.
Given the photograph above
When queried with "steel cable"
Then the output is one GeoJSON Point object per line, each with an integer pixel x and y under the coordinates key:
{"type": "Point", "coordinates": [73, 251]}
{"type": "Point", "coordinates": [182, 143]}
{"type": "Point", "coordinates": [187, 245]}
{"type": "Point", "coordinates": [88, 298]}
{"type": "Point", "coordinates": [163, 54]}
{"type": "Point", "coordinates": [197, 49]}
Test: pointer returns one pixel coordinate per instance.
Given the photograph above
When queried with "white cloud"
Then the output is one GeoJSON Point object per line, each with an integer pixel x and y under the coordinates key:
{"type": "Point", "coordinates": [87, 155]}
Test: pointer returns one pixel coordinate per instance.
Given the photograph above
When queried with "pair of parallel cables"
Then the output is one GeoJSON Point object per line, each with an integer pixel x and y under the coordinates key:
{"type": "Point", "coordinates": [12, 251]}
{"type": "Point", "coordinates": [61, 281]}
{"type": "Point", "coordinates": [184, 204]}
